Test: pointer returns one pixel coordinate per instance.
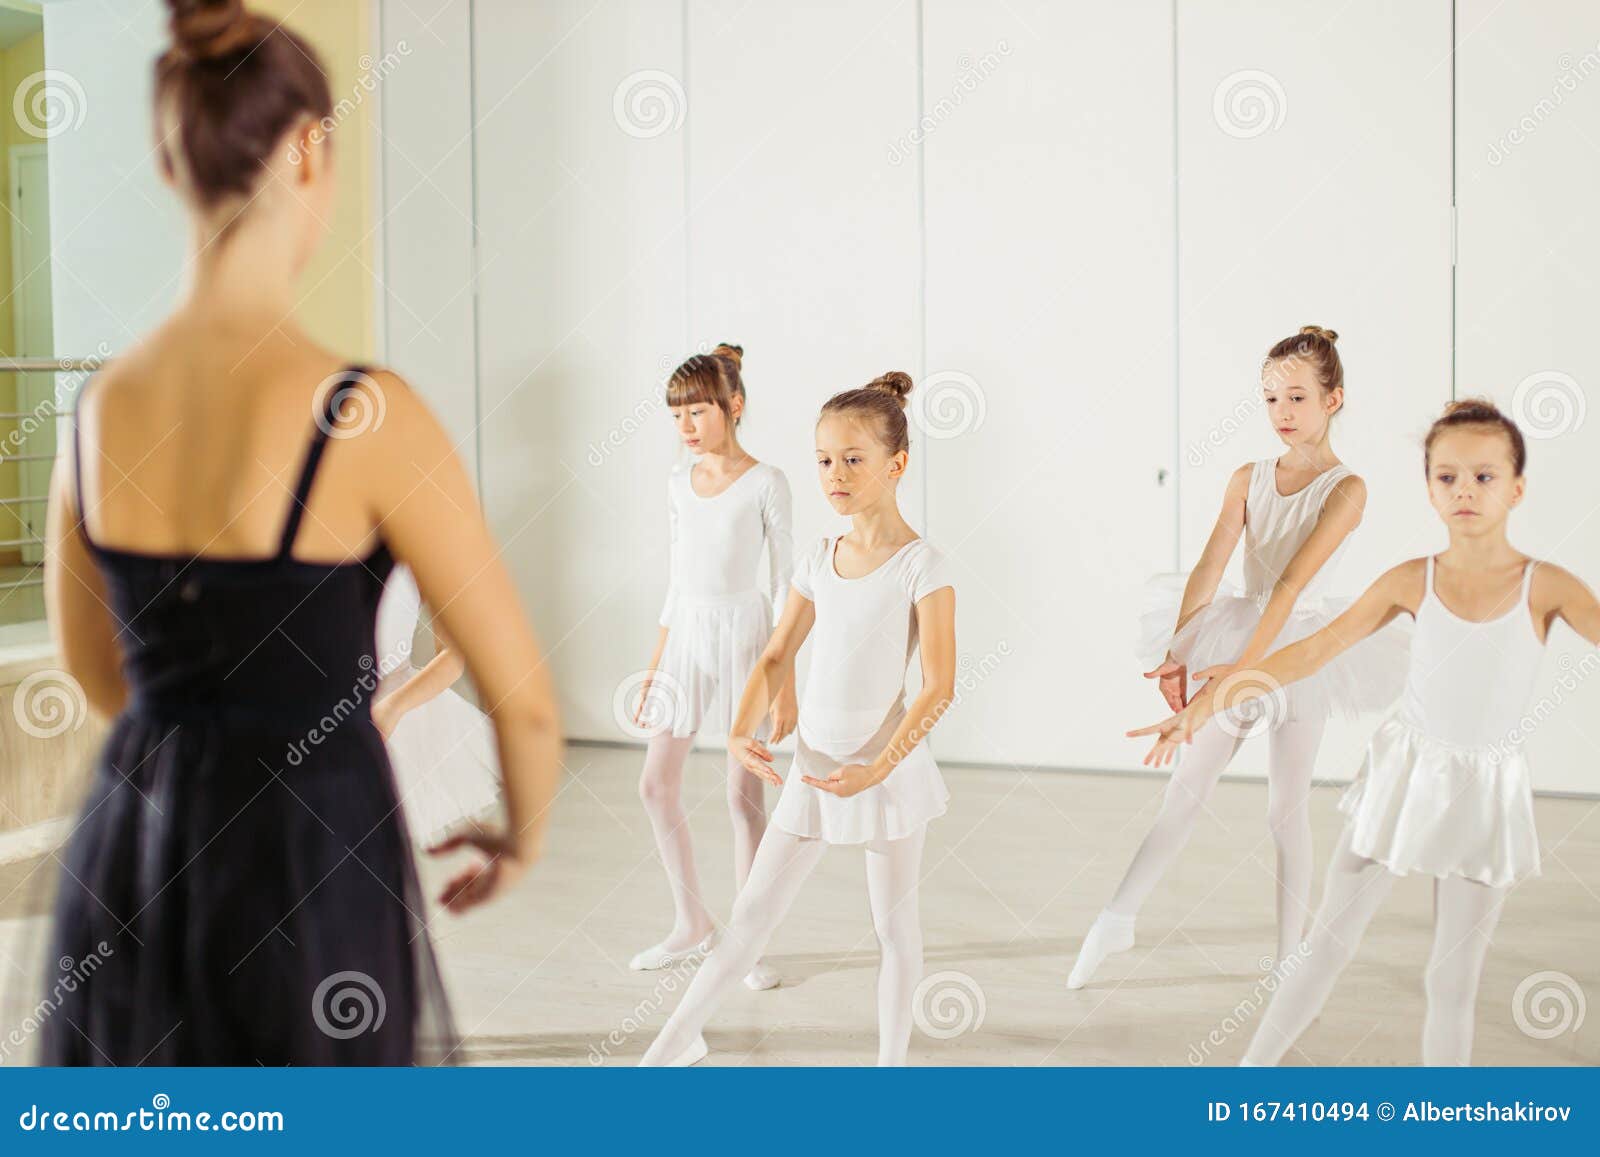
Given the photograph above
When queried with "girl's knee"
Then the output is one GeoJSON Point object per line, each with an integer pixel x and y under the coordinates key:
{"type": "Point", "coordinates": [656, 791]}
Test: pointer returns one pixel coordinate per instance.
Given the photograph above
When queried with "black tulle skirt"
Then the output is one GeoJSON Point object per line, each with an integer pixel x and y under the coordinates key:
{"type": "Point", "coordinates": [237, 894]}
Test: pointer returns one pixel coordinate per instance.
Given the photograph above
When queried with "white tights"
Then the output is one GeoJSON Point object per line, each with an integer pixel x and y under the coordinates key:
{"type": "Point", "coordinates": [1465, 915]}
{"type": "Point", "coordinates": [1291, 757]}
{"type": "Point", "coordinates": [782, 864]}
{"type": "Point", "coordinates": [661, 790]}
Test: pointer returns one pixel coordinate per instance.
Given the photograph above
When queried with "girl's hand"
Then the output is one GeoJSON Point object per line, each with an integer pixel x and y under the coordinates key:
{"type": "Point", "coordinates": [754, 757]}
{"type": "Point", "coordinates": [1173, 683]}
{"type": "Point", "coordinates": [1212, 677]}
{"type": "Point", "coordinates": [849, 780]}
{"type": "Point", "coordinates": [1170, 732]}
{"type": "Point", "coordinates": [785, 713]}
{"type": "Point", "coordinates": [644, 698]}
{"type": "Point", "coordinates": [486, 878]}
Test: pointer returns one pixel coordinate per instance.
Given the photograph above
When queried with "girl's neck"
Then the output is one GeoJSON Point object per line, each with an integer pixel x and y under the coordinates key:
{"type": "Point", "coordinates": [1315, 456]}
{"type": "Point", "coordinates": [1482, 551]}
{"type": "Point", "coordinates": [725, 461]}
{"type": "Point", "coordinates": [879, 526]}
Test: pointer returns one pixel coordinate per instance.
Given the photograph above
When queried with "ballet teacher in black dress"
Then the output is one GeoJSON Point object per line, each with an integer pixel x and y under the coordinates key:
{"type": "Point", "coordinates": [222, 521]}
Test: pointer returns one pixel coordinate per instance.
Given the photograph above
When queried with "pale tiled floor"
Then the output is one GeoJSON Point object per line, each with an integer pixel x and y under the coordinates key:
{"type": "Point", "coordinates": [1013, 875]}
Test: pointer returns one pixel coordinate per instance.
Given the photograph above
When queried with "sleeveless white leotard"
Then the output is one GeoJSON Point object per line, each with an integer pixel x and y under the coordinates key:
{"type": "Point", "coordinates": [1367, 677]}
{"type": "Point", "coordinates": [1445, 788]}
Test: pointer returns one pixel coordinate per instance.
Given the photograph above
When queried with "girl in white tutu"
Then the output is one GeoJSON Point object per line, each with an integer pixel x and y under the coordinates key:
{"type": "Point", "coordinates": [1296, 513]}
{"type": "Point", "coordinates": [1444, 790]}
{"type": "Point", "coordinates": [441, 747]}
{"type": "Point", "coordinates": [861, 774]}
{"type": "Point", "coordinates": [725, 509]}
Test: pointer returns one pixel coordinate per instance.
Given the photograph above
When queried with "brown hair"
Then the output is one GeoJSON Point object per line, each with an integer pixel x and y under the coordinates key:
{"type": "Point", "coordinates": [881, 404]}
{"type": "Point", "coordinates": [712, 377]}
{"type": "Point", "coordinates": [1315, 345]}
{"type": "Point", "coordinates": [233, 83]}
{"type": "Point", "coordinates": [1480, 412]}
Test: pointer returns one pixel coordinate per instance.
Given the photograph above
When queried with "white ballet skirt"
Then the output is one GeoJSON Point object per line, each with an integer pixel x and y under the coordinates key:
{"type": "Point", "coordinates": [443, 751]}
{"type": "Point", "coordinates": [718, 621]}
{"type": "Point", "coordinates": [1368, 677]}
{"type": "Point", "coordinates": [1445, 789]}
{"type": "Point", "coordinates": [861, 645]}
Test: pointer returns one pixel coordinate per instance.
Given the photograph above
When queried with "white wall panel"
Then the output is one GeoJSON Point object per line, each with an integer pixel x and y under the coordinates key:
{"type": "Point", "coordinates": [1050, 256]}
{"type": "Point", "coordinates": [1528, 163]}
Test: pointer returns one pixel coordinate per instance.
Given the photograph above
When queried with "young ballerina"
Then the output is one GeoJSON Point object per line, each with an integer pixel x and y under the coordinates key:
{"type": "Point", "coordinates": [1444, 790]}
{"type": "Point", "coordinates": [1296, 513]}
{"type": "Point", "coordinates": [861, 772]}
{"type": "Point", "coordinates": [724, 507]}
{"type": "Point", "coordinates": [440, 746]}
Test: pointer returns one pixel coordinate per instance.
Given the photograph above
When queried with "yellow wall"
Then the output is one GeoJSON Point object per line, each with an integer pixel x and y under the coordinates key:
{"type": "Point", "coordinates": [337, 304]}
{"type": "Point", "coordinates": [17, 63]}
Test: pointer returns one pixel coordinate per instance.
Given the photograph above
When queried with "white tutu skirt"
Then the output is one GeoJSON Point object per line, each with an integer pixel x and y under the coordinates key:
{"type": "Point", "coordinates": [1368, 677]}
{"type": "Point", "coordinates": [913, 794]}
{"type": "Point", "coordinates": [712, 646]}
{"type": "Point", "coordinates": [445, 766]}
{"type": "Point", "coordinates": [1426, 807]}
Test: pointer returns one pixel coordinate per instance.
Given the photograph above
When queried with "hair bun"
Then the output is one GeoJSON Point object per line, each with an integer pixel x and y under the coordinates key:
{"type": "Point", "coordinates": [1326, 335]}
{"type": "Point", "coordinates": [895, 382]}
{"type": "Point", "coordinates": [734, 353]}
{"type": "Point", "coordinates": [207, 29]}
{"type": "Point", "coordinates": [1473, 408]}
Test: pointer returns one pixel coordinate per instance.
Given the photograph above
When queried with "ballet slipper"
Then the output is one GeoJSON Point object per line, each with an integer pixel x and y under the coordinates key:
{"type": "Point", "coordinates": [761, 978]}
{"type": "Point", "coordinates": [657, 957]}
{"type": "Point", "coordinates": [693, 1055]}
{"type": "Point", "coordinates": [1109, 933]}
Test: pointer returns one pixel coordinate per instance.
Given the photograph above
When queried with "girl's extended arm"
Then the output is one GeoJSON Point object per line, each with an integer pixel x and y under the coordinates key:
{"type": "Point", "coordinates": [1398, 591]}
{"type": "Point", "coordinates": [1207, 573]}
{"type": "Point", "coordinates": [435, 677]}
{"type": "Point", "coordinates": [773, 671]}
{"type": "Point", "coordinates": [1340, 515]}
